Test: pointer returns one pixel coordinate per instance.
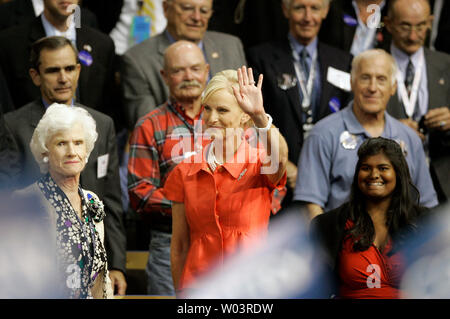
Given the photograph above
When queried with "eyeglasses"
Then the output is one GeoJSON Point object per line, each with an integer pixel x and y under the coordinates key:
{"type": "Point", "coordinates": [407, 28]}
{"type": "Point", "coordinates": [189, 9]}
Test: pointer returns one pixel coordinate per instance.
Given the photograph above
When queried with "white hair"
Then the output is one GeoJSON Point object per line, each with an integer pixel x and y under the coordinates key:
{"type": "Point", "coordinates": [371, 54]}
{"type": "Point", "coordinates": [57, 118]}
{"type": "Point", "coordinates": [287, 3]}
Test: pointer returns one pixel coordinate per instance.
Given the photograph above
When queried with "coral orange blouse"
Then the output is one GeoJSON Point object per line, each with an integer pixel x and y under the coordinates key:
{"type": "Point", "coordinates": [225, 210]}
{"type": "Point", "coordinates": [369, 274]}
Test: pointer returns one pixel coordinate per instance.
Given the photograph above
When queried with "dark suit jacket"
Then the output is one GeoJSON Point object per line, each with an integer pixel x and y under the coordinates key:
{"type": "Point", "coordinates": [6, 104]}
{"type": "Point", "coordinates": [95, 81]}
{"type": "Point", "coordinates": [335, 32]}
{"type": "Point", "coordinates": [22, 124]}
{"type": "Point", "coordinates": [438, 66]}
{"type": "Point", "coordinates": [19, 12]}
{"type": "Point", "coordinates": [275, 59]}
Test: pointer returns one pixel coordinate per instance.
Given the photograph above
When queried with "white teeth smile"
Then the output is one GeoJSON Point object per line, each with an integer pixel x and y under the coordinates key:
{"type": "Point", "coordinates": [375, 184]}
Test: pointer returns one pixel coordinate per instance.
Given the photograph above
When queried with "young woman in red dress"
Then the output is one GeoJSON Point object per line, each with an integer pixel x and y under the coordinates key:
{"type": "Point", "coordinates": [361, 237]}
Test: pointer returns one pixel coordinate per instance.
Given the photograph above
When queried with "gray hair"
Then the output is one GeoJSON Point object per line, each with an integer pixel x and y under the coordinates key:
{"type": "Point", "coordinates": [370, 54]}
{"type": "Point", "coordinates": [287, 3]}
{"type": "Point", "coordinates": [59, 117]}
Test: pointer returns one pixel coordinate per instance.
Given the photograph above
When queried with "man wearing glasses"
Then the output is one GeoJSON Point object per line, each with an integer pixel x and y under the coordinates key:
{"type": "Point", "coordinates": [142, 85]}
{"type": "Point", "coordinates": [423, 94]}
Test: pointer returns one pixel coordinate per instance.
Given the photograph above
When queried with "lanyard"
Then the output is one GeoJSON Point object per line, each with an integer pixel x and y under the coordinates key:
{"type": "Point", "coordinates": [173, 109]}
{"type": "Point", "coordinates": [410, 102]}
{"type": "Point", "coordinates": [306, 89]}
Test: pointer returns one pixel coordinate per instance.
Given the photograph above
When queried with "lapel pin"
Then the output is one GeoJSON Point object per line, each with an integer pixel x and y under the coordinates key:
{"type": "Point", "coordinates": [87, 47]}
{"type": "Point", "coordinates": [441, 81]}
{"type": "Point", "coordinates": [348, 141]}
{"type": "Point", "coordinates": [242, 174]}
{"type": "Point", "coordinates": [215, 55]}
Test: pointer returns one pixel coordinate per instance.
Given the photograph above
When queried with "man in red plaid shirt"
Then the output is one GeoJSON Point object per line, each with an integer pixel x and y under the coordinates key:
{"type": "Point", "coordinates": [160, 140]}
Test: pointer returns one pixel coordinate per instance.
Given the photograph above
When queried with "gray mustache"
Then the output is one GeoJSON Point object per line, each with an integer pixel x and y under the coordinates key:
{"type": "Point", "coordinates": [189, 83]}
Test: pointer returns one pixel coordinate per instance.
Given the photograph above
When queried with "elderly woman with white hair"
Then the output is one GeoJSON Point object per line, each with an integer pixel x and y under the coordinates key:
{"type": "Point", "coordinates": [222, 198]}
{"type": "Point", "coordinates": [61, 144]}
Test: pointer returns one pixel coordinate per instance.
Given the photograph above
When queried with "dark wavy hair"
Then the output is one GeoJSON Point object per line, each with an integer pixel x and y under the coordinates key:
{"type": "Point", "coordinates": [402, 212]}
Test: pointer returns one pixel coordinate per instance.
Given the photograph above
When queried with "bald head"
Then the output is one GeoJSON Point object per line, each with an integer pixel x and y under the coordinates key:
{"type": "Point", "coordinates": [185, 71]}
{"type": "Point", "coordinates": [179, 48]}
{"type": "Point", "coordinates": [396, 6]}
{"type": "Point", "coordinates": [408, 21]}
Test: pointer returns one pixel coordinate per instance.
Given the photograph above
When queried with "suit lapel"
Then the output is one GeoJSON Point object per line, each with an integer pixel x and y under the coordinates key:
{"type": "Point", "coordinates": [36, 113]}
{"type": "Point", "coordinates": [326, 87]}
{"type": "Point", "coordinates": [433, 79]}
{"type": "Point", "coordinates": [37, 30]}
{"type": "Point", "coordinates": [23, 10]}
{"type": "Point", "coordinates": [212, 54]}
{"type": "Point", "coordinates": [348, 31]}
{"type": "Point", "coordinates": [82, 40]}
{"type": "Point", "coordinates": [163, 42]}
{"type": "Point", "coordinates": [283, 64]}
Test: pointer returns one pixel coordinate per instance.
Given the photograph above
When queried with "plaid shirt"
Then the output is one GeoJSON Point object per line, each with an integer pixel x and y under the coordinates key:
{"type": "Point", "coordinates": [160, 140]}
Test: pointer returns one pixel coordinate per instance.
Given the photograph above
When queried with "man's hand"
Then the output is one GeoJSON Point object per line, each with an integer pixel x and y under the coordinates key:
{"type": "Point", "coordinates": [118, 282]}
{"type": "Point", "coordinates": [414, 125]}
{"type": "Point", "coordinates": [291, 172]}
{"type": "Point", "coordinates": [438, 119]}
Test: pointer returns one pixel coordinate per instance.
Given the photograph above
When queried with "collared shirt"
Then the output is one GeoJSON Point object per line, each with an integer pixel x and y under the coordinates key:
{"type": "Point", "coordinates": [226, 210]}
{"type": "Point", "coordinates": [312, 50]}
{"type": "Point", "coordinates": [364, 38]}
{"type": "Point", "coordinates": [326, 167]}
{"type": "Point", "coordinates": [402, 60]}
{"type": "Point", "coordinates": [152, 155]}
{"type": "Point", "coordinates": [38, 7]}
{"type": "Point", "coordinates": [50, 30]}
{"type": "Point", "coordinates": [47, 104]}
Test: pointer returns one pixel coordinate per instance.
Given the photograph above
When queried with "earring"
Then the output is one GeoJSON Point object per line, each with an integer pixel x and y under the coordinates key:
{"type": "Point", "coordinates": [86, 160]}
{"type": "Point", "coordinates": [45, 159]}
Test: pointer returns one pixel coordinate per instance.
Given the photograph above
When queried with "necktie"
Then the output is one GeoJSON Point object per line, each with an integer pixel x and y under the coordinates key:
{"type": "Point", "coordinates": [304, 62]}
{"type": "Point", "coordinates": [148, 8]}
{"type": "Point", "coordinates": [409, 77]}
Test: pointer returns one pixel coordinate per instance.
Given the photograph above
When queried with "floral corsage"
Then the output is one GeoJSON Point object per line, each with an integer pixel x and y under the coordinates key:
{"type": "Point", "coordinates": [96, 207]}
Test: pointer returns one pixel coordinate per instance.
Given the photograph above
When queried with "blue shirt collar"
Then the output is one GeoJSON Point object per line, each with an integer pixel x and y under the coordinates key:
{"type": "Point", "coordinates": [402, 58]}
{"type": "Point", "coordinates": [46, 105]}
{"type": "Point", "coordinates": [298, 47]}
{"type": "Point", "coordinates": [353, 126]}
{"type": "Point", "coordinates": [50, 30]}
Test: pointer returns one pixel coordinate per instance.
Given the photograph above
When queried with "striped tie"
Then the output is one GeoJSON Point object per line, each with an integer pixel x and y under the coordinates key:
{"type": "Point", "coordinates": [148, 9]}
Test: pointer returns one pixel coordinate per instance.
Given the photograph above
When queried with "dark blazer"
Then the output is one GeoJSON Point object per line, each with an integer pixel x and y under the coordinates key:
{"type": "Point", "coordinates": [95, 82]}
{"type": "Point", "coordinates": [438, 66]}
{"type": "Point", "coordinates": [19, 12]}
{"type": "Point", "coordinates": [22, 123]}
{"type": "Point", "coordinates": [337, 33]}
{"type": "Point", "coordinates": [274, 59]}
